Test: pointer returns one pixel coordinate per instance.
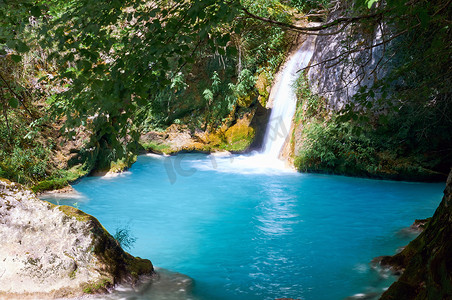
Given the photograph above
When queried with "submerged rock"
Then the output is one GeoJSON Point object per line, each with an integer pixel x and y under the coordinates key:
{"type": "Point", "coordinates": [50, 251]}
{"type": "Point", "coordinates": [165, 285]}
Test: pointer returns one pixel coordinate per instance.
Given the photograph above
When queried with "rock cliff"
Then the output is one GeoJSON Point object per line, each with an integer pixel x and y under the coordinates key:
{"type": "Point", "coordinates": [50, 251]}
{"type": "Point", "coordinates": [337, 70]}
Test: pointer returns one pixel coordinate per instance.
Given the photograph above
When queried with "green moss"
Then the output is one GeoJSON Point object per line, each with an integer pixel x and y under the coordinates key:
{"type": "Point", "coordinates": [99, 285]}
{"type": "Point", "coordinates": [262, 86]}
{"type": "Point", "coordinates": [238, 137]}
{"type": "Point", "coordinates": [75, 213]}
{"type": "Point", "coordinates": [157, 147]}
{"type": "Point", "coordinates": [61, 179]}
{"type": "Point", "coordinates": [51, 184]}
{"type": "Point", "coordinates": [76, 172]}
{"type": "Point", "coordinates": [137, 266]}
{"type": "Point", "coordinates": [122, 164]}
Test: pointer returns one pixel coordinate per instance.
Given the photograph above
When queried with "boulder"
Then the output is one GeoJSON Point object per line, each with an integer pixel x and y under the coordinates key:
{"type": "Point", "coordinates": [50, 251]}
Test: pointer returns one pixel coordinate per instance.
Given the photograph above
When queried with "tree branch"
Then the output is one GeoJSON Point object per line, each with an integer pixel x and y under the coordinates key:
{"type": "Point", "coordinates": [19, 98]}
{"type": "Point", "coordinates": [361, 49]}
{"type": "Point", "coordinates": [338, 21]}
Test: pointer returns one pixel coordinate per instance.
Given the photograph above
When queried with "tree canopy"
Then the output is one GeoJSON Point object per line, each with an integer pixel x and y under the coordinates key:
{"type": "Point", "coordinates": [114, 61]}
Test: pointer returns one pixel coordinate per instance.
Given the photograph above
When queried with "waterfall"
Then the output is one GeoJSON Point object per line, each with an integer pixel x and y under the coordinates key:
{"type": "Point", "coordinates": [278, 128]}
{"type": "Point", "coordinates": [285, 100]}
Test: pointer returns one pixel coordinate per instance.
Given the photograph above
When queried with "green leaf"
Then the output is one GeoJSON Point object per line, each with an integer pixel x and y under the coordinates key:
{"type": "Point", "coordinates": [35, 11]}
{"type": "Point", "coordinates": [13, 102]}
{"type": "Point", "coordinates": [231, 51]}
{"type": "Point", "coordinates": [21, 47]}
{"type": "Point", "coordinates": [370, 3]}
{"type": "Point", "coordinates": [16, 58]}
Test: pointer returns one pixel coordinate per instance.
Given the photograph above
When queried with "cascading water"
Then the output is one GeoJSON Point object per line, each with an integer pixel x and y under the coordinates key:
{"type": "Point", "coordinates": [278, 127]}
{"type": "Point", "coordinates": [284, 101]}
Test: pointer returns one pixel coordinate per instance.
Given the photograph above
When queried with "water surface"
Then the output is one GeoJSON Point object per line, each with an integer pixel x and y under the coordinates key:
{"type": "Point", "coordinates": [258, 235]}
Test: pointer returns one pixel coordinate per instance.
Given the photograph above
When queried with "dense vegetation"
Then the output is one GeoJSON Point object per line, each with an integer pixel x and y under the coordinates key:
{"type": "Point", "coordinates": [398, 127]}
{"type": "Point", "coordinates": [102, 73]}
{"type": "Point", "coordinates": [383, 147]}
{"type": "Point", "coordinates": [82, 80]}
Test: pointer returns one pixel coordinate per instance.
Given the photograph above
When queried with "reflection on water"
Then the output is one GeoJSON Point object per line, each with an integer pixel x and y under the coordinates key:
{"type": "Point", "coordinates": [277, 214]}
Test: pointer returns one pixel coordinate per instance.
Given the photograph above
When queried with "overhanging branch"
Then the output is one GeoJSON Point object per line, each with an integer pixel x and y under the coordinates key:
{"type": "Point", "coordinates": [309, 30]}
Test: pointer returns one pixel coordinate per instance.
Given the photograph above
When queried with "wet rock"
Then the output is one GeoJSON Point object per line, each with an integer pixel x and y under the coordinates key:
{"type": "Point", "coordinates": [420, 224]}
{"type": "Point", "coordinates": [384, 267]}
{"type": "Point", "coordinates": [426, 261]}
{"type": "Point", "coordinates": [163, 285]}
{"type": "Point", "coordinates": [259, 124]}
{"type": "Point", "coordinates": [50, 251]}
{"type": "Point", "coordinates": [414, 229]}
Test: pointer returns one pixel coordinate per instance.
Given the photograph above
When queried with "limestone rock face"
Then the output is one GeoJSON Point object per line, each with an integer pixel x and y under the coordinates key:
{"type": "Point", "coordinates": [51, 251]}
{"type": "Point", "coordinates": [337, 77]}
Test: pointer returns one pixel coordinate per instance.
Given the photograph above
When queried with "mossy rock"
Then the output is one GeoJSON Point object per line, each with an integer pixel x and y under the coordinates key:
{"type": "Point", "coordinates": [67, 176]}
{"type": "Point", "coordinates": [263, 85]}
{"type": "Point", "coordinates": [238, 137]}
{"type": "Point", "coordinates": [159, 148]}
{"type": "Point", "coordinates": [80, 255]}
{"type": "Point", "coordinates": [122, 164]}
{"type": "Point", "coordinates": [247, 100]}
{"type": "Point", "coordinates": [51, 184]}
{"type": "Point", "coordinates": [73, 212]}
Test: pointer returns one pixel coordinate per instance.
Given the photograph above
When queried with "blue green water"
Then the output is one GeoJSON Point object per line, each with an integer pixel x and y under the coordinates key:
{"type": "Point", "coordinates": [261, 235]}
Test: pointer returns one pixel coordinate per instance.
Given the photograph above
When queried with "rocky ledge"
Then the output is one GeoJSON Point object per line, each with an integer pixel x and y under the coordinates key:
{"type": "Point", "coordinates": [50, 251]}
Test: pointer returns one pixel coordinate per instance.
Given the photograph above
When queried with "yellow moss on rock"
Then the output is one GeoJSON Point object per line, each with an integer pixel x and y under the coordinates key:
{"type": "Point", "coordinates": [239, 136]}
{"type": "Point", "coordinates": [246, 100]}
{"type": "Point", "coordinates": [263, 86]}
{"type": "Point", "coordinates": [122, 164]}
{"type": "Point", "coordinates": [74, 213]}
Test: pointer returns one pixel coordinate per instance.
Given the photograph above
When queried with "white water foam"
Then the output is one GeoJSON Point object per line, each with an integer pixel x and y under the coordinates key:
{"type": "Point", "coordinates": [255, 163]}
{"type": "Point", "coordinates": [285, 101]}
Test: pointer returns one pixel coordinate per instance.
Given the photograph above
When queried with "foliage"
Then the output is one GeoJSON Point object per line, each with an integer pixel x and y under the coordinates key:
{"type": "Point", "coordinates": [119, 56]}
{"type": "Point", "coordinates": [336, 148]}
{"type": "Point", "coordinates": [238, 137]}
{"type": "Point", "coordinates": [244, 89]}
{"type": "Point", "coordinates": [374, 148]}
{"type": "Point", "coordinates": [127, 66]}
{"type": "Point", "coordinates": [412, 100]}
{"type": "Point", "coordinates": [309, 105]}
{"type": "Point", "coordinates": [122, 67]}
{"type": "Point", "coordinates": [309, 5]}
{"type": "Point", "coordinates": [25, 156]}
